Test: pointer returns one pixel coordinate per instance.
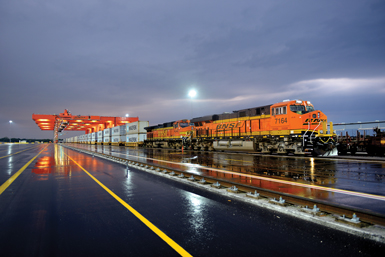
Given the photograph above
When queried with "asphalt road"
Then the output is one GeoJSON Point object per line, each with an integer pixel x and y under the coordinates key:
{"type": "Point", "coordinates": [55, 207]}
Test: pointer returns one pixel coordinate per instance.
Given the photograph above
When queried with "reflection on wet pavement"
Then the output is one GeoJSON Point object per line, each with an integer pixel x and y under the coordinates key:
{"type": "Point", "coordinates": [278, 173]}
{"type": "Point", "coordinates": [333, 173]}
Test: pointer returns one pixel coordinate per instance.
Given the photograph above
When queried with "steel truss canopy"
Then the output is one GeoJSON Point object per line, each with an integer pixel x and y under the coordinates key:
{"type": "Point", "coordinates": [69, 122]}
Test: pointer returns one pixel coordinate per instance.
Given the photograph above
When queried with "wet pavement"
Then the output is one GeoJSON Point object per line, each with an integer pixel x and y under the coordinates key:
{"type": "Point", "coordinates": [354, 183]}
{"type": "Point", "coordinates": [54, 208]}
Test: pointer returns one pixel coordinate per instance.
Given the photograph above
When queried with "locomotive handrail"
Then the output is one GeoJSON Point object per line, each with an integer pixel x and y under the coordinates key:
{"type": "Point", "coordinates": [303, 140]}
{"type": "Point", "coordinates": [314, 130]}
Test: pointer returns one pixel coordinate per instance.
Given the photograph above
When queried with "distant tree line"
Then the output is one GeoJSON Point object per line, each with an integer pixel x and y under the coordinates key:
{"type": "Point", "coordinates": [16, 140]}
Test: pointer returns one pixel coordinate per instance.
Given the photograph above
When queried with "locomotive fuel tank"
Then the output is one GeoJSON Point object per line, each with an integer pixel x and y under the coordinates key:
{"type": "Point", "coordinates": [235, 145]}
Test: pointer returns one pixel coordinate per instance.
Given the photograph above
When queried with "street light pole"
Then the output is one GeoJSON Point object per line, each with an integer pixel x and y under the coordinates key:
{"type": "Point", "coordinates": [10, 122]}
{"type": "Point", "coordinates": [192, 93]}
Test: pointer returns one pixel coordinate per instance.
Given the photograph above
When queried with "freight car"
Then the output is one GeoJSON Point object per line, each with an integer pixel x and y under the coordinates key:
{"type": "Point", "coordinates": [376, 144]}
{"type": "Point", "coordinates": [348, 144]}
{"type": "Point", "coordinates": [372, 145]}
{"type": "Point", "coordinates": [291, 126]}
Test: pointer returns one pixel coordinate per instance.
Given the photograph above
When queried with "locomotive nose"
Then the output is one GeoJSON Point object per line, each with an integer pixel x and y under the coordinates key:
{"type": "Point", "coordinates": [313, 118]}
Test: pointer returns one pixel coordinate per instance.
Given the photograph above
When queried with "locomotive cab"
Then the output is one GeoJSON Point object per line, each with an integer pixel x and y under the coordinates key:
{"type": "Point", "coordinates": [297, 125]}
{"type": "Point", "coordinates": [183, 129]}
{"type": "Point", "coordinates": [296, 115]}
{"type": "Point", "coordinates": [181, 124]}
{"type": "Point", "coordinates": [280, 117]}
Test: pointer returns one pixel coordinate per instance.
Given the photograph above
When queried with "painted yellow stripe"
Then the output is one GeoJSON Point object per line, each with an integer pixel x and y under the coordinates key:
{"type": "Point", "coordinates": [243, 118]}
{"type": "Point", "coordinates": [17, 152]}
{"type": "Point", "coordinates": [14, 177]}
{"type": "Point", "coordinates": [157, 231]}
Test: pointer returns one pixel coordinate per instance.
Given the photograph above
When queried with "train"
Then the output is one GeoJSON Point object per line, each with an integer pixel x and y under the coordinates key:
{"type": "Point", "coordinates": [372, 145]}
{"type": "Point", "coordinates": [287, 127]}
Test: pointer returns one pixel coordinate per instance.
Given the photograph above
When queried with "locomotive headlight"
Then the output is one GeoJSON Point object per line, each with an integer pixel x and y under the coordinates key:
{"type": "Point", "coordinates": [298, 101]}
{"type": "Point", "coordinates": [308, 102]}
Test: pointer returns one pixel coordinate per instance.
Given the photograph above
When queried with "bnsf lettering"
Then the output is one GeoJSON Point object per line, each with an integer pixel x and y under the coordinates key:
{"type": "Point", "coordinates": [314, 120]}
{"type": "Point", "coordinates": [134, 127]}
{"type": "Point", "coordinates": [116, 130]}
{"type": "Point", "coordinates": [229, 126]}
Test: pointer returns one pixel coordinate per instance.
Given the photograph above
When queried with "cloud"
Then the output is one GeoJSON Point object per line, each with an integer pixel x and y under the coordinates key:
{"type": "Point", "coordinates": [113, 57]}
{"type": "Point", "coordinates": [347, 86]}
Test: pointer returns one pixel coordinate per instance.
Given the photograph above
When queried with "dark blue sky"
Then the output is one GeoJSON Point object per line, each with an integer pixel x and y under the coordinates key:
{"type": "Point", "coordinates": [141, 57]}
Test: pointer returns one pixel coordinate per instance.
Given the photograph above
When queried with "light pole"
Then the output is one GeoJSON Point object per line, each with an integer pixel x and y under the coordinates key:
{"type": "Point", "coordinates": [10, 122]}
{"type": "Point", "coordinates": [192, 93]}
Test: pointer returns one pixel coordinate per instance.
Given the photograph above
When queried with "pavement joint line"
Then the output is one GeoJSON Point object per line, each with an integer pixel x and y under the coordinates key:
{"type": "Point", "coordinates": [328, 189]}
{"type": "Point", "coordinates": [18, 152]}
{"type": "Point", "coordinates": [157, 231]}
{"type": "Point", "coordinates": [7, 183]}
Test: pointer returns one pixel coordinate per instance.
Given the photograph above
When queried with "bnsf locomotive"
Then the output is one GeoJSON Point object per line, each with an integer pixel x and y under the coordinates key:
{"type": "Point", "coordinates": [291, 126]}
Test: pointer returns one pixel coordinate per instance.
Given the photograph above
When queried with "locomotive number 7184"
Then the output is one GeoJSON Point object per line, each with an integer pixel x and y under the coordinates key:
{"type": "Point", "coordinates": [280, 121]}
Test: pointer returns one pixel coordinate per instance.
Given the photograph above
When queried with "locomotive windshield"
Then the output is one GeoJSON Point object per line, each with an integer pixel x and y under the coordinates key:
{"type": "Point", "coordinates": [310, 108]}
{"type": "Point", "coordinates": [300, 109]}
{"type": "Point", "coordinates": [183, 124]}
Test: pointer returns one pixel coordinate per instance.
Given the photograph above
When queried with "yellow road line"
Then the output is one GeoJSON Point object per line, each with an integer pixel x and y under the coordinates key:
{"type": "Point", "coordinates": [157, 231]}
{"type": "Point", "coordinates": [14, 177]}
{"type": "Point", "coordinates": [18, 152]}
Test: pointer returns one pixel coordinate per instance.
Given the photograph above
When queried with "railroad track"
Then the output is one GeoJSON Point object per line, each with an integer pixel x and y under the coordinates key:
{"type": "Point", "coordinates": [357, 156]}
{"type": "Point", "coordinates": [345, 212]}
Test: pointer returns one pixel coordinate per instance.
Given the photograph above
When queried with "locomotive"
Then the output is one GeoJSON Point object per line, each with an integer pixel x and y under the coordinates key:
{"type": "Point", "coordinates": [290, 126]}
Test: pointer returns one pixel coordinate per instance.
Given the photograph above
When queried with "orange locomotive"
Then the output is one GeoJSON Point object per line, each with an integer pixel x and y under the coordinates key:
{"type": "Point", "coordinates": [170, 134]}
{"type": "Point", "coordinates": [286, 127]}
